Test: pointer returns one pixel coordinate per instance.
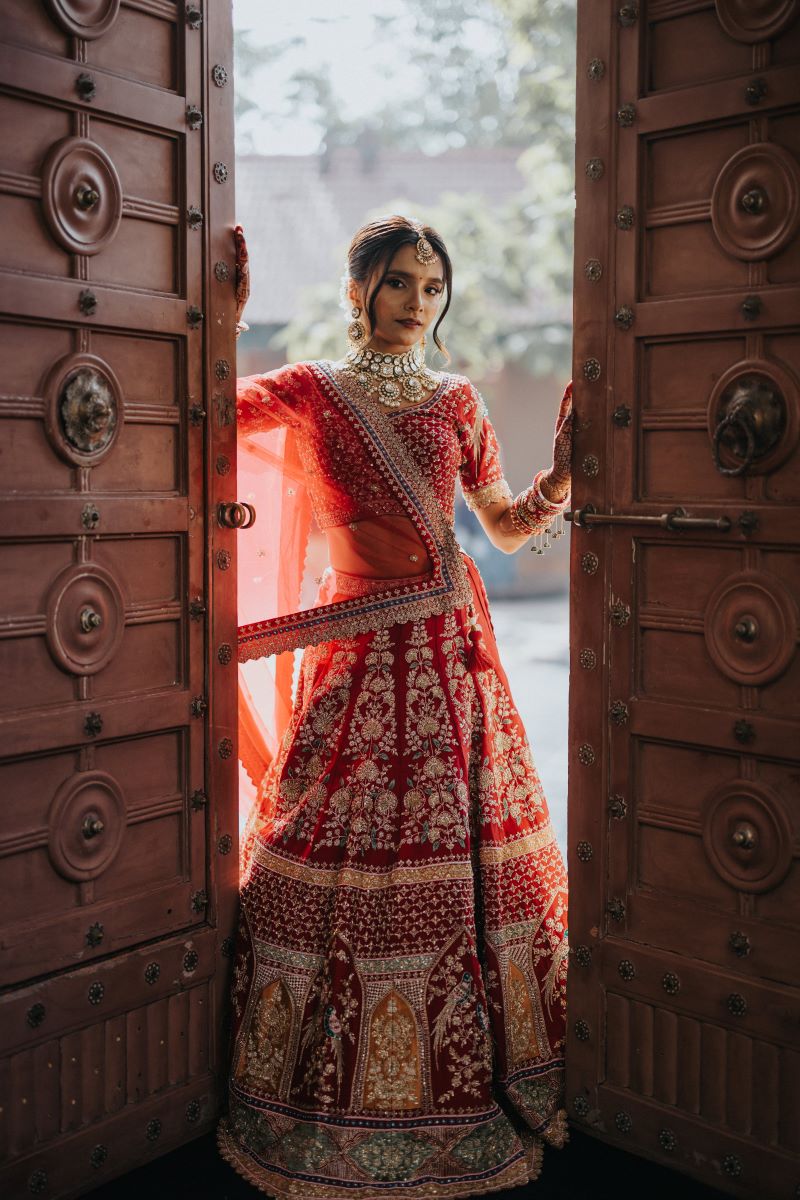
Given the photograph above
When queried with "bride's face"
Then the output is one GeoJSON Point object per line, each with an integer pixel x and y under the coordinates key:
{"type": "Point", "coordinates": [407, 303]}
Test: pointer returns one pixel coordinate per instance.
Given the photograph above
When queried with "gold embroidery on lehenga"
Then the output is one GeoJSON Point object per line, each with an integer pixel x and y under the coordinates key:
{"type": "Point", "coordinates": [524, 1044]}
{"type": "Point", "coordinates": [298, 790]}
{"type": "Point", "coordinates": [393, 1079]}
{"type": "Point", "coordinates": [508, 851]}
{"type": "Point", "coordinates": [412, 874]}
{"type": "Point", "coordinates": [263, 1054]}
{"type": "Point", "coordinates": [435, 803]}
{"type": "Point", "coordinates": [361, 812]}
{"type": "Point", "coordinates": [331, 1023]}
{"type": "Point", "coordinates": [461, 1042]}
{"type": "Point", "coordinates": [509, 784]}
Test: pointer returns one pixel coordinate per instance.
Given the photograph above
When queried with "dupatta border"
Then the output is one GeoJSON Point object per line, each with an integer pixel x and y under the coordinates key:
{"type": "Point", "coordinates": [447, 587]}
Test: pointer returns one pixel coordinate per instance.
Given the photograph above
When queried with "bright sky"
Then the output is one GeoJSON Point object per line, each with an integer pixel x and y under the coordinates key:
{"type": "Point", "coordinates": [338, 33]}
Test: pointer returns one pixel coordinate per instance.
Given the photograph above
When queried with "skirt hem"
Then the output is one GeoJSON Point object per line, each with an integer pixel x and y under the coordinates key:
{"type": "Point", "coordinates": [526, 1170]}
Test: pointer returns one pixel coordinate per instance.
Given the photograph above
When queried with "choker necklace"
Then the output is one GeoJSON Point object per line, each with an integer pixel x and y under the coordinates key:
{"type": "Point", "coordinates": [391, 378]}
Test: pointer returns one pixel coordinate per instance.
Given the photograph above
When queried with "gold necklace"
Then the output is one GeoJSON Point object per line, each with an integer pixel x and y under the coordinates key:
{"type": "Point", "coordinates": [391, 378]}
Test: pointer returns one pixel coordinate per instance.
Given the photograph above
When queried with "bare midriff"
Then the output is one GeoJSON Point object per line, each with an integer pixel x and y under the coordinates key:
{"type": "Point", "coordinates": [378, 547]}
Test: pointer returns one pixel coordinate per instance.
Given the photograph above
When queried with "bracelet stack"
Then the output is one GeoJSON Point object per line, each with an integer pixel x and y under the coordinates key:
{"type": "Point", "coordinates": [532, 513]}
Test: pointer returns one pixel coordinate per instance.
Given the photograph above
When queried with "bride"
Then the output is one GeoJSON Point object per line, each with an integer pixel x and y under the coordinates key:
{"type": "Point", "coordinates": [399, 991]}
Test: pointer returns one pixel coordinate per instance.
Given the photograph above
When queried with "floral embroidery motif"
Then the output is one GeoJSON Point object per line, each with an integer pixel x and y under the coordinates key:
{"type": "Point", "coordinates": [435, 803]}
{"type": "Point", "coordinates": [331, 1025]}
{"type": "Point", "coordinates": [251, 1128]}
{"type": "Point", "coordinates": [520, 1016]}
{"type": "Point", "coordinates": [306, 1148]}
{"type": "Point", "coordinates": [393, 1079]}
{"type": "Point", "coordinates": [508, 783]}
{"type": "Point", "coordinates": [539, 1096]}
{"type": "Point", "coordinates": [391, 1157]}
{"type": "Point", "coordinates": [314, 732]}
{"type": "Point", "coordinates": [265, 1049]}
{"type": "Point", "coordinates": [362, 809]}
{"type": "Point", "coordinates": [486, 1146]}
{"type": "Point", "coordinates": [461, 1046]}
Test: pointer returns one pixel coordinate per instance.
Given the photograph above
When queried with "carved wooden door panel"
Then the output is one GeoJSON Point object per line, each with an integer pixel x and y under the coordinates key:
{"type": "Point", "coordinates": [117, 617]}
{"type": "Point", "coordinates": [684, 1042]}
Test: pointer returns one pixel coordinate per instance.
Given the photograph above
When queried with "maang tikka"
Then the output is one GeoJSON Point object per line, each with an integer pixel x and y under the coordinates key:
{"type": "Point", "coordinates": [424, 251]}
{"type": "Point", "coordinates": [356, 332]}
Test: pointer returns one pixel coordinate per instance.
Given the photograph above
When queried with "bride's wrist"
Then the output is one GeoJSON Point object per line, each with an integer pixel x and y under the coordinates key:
{"type": "Point", "coordinates": [554, 490]}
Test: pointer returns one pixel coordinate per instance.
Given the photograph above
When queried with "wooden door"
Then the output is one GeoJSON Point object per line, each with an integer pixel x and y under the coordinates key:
{"type": "Point", "coordinates": [684, 1039]}
{"type": "Point", "coordinates": [118, 834]}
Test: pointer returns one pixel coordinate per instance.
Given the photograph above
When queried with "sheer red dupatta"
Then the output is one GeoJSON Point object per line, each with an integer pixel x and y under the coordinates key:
{"type": "Point", "coordinates": [271, 564]}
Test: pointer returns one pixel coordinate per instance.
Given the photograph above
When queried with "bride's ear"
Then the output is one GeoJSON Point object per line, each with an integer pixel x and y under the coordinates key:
{"type": "Point", "coordinates": [354, 295]}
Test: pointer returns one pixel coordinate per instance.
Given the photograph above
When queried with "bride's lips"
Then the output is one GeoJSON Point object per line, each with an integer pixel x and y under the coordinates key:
{"type": "Point", "coordinates": [412, 324]}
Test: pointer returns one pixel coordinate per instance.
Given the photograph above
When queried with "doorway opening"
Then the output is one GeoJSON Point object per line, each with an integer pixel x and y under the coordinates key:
{"type": "Point", "coordinates": [460, 114]}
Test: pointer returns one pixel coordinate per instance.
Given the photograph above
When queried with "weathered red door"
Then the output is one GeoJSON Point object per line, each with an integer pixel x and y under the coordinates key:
{"type": "Point", "coordinates": [117, 617]}
{"type": "Point", "coordinates": [684, 1038]}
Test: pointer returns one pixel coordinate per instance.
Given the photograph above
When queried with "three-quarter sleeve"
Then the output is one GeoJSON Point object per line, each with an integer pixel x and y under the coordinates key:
{"type": "Point", "coordinates": [263, 401]}
{"type": "Point", "coordinates": [481, 470]}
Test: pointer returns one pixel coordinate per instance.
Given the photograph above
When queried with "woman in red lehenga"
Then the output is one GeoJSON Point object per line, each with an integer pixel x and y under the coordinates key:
{"type": "Point", "coordinates": [399, 990]}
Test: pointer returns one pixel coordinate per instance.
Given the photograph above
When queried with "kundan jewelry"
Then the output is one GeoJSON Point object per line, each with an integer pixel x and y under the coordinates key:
{"type": "Point", "coordinates": [391, 378]}
{"type": "Point", "coordinates": [424, 252]}
{"type": "Point", "coordinates": [356, 331]}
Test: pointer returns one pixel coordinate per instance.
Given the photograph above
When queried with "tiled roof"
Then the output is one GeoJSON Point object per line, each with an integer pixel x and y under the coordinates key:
{"type": "Point", "coordinates": [300, 211]}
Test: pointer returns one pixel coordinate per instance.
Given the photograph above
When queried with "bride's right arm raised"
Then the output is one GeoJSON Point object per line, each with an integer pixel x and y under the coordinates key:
{"type": "Point", "coordinates": [277, 398]}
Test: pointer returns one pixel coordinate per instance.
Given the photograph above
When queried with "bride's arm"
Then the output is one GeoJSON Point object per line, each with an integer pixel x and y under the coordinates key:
{"type": "Point", "coordinates": [509, 522]}
{"type": "Point", "coordinates": [498, 520]}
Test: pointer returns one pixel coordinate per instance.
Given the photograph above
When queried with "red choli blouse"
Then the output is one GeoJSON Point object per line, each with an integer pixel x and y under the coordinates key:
{"type": "Point", "coordinates": [438, 434]}
{"type": "Point", "coordinates": [350, 459]}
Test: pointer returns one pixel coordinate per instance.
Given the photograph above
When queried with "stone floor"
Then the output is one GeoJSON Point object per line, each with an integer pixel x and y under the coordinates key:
{"type": "Point", "coordinates": [585, 1170]}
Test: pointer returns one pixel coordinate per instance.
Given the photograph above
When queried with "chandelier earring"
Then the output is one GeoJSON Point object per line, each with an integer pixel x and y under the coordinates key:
{"type": "Point", "coordinates": [356, 330]}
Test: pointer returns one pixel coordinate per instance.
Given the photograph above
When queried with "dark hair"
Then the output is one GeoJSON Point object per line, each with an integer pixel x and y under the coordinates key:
{"type": "Point", "coordinates": [374, 246]}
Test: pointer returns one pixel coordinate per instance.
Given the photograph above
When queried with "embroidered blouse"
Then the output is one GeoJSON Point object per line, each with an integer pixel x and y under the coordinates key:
{"type": "Point", "coordinates": [438, 433]}
{"type": "Point", "coordinates": [360, 460]}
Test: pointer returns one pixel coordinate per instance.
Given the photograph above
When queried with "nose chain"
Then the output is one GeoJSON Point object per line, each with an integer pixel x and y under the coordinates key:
{"type": "Point", "coordinates": [391, 378]}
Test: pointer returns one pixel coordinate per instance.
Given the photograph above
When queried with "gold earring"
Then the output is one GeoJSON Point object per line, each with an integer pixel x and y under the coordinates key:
{"type": "Point", "coordinates": [355, 330]}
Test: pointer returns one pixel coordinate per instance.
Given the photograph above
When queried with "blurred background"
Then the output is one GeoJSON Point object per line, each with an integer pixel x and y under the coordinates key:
{"type": "Point", "coordinates": [459, 113]}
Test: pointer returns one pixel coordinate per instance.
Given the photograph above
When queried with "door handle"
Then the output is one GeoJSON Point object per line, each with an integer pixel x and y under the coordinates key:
{"type": "Point", "coordinates": [236, 515]}
{"type": "Point", "coordinates": [676, 520]}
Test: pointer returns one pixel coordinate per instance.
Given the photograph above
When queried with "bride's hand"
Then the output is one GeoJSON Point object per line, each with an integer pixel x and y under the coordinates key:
{"type": "Point", "coordinates": [242, 271]}
{"type": "Point", "coordinates": [556, 483]}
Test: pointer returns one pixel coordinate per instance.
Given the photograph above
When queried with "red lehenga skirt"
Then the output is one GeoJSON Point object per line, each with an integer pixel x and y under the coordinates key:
{"type": "Point", "coordinates": [399, 992]}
